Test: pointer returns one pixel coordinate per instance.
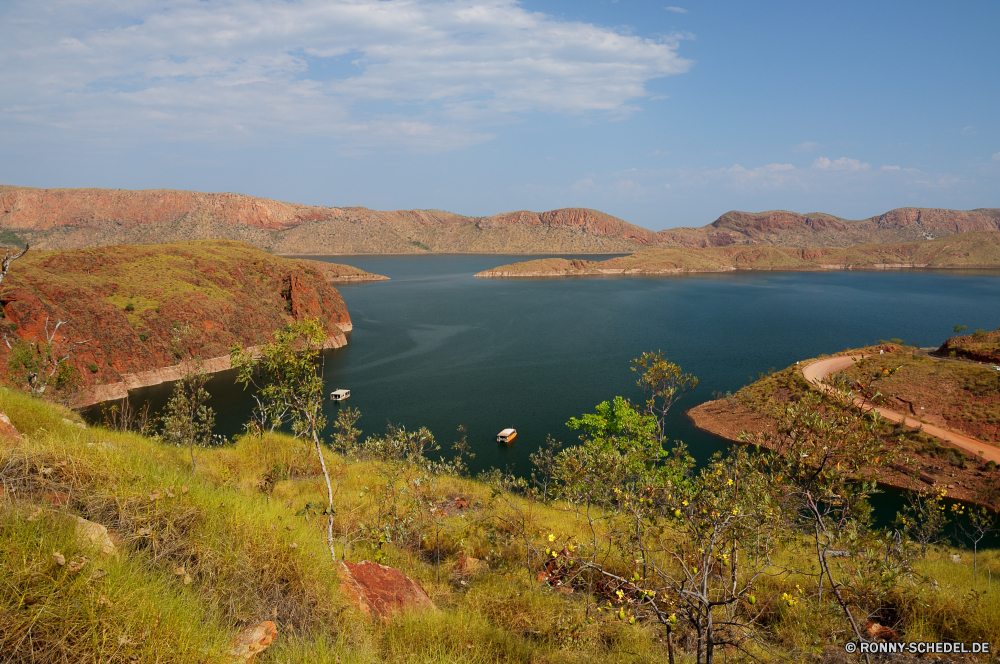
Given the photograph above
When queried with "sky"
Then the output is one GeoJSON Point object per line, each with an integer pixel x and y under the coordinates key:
{"type": "Point", "coordinates": [663, 115]}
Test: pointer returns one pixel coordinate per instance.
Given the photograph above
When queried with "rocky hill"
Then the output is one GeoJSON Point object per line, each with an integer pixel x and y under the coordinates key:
{"type": "Point", "coordinates": [789, 229]}
{"type": "Point", "coordinates": [979, 249]}
{"type": "Point", "coordinates": [143, 309]}
{"type": "Point", "coordinates": [75, 218]}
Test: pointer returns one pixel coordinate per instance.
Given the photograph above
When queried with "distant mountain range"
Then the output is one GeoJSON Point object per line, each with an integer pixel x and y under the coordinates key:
{"type": "Point", "coordinates": [76, 218]}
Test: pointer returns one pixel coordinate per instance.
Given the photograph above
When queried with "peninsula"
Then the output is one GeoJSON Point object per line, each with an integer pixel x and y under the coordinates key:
{"type": "Point", "coordinates": [133, 314]}
{"type": "Point", "coordinates": [941, 411]}
{"type": "Point", "coordinates": [978, 249]}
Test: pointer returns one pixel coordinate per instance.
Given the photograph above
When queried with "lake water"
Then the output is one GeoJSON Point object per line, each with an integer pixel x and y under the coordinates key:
{"type": "Point", "coordinates": [437, 347]}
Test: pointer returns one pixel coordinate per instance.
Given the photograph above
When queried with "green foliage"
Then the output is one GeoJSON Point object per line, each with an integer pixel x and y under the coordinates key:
{"type": "Point", "coordinates": [287, 375]}
{"type": "Point", "coordinates": [10, 238]}
{"type": "Point", "coordinates": [663, 383]}
{"type": "Point", "coordinates": [93, 367]}
{"type": "Point", "coordinates": [820, 450]}
{"type": "Point", "coordinates": [345, 438]}
{"type": "Point", "coordinates": [924, 519]}
{"type": "Point", "coordinates": [37, 365]}
{"type": "Point", "coordinates": [959, 328]}
{"type": "Point", "coordinates": [130, 307]}
{"type": "Point", "coordinates": [188, 421]}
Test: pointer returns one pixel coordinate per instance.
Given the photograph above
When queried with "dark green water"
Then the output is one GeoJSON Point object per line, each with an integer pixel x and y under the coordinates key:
{"type": "Point", "coordinates": [436, 347]}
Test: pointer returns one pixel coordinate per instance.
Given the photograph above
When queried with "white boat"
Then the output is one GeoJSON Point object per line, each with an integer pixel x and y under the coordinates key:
{"type": "Point", "coordinates": [507, 435]}
{"type": "Point", "coordinates": [340, 395]}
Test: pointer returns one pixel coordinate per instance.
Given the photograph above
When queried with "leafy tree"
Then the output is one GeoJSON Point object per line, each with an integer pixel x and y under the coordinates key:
{"type": "Point", "coordinates": [287, 375]}
{"type": "Point", "coordinates": [188, 421]}
{"type": "Point", "coordinates": [663, 383]}
{"type": "Point", "coordinates": [924, 519]}
{"type": "Point", "coordinates": [37, 365]}
{"type": "Point", "coordinates": [345, 438]}
{"type": "Point", "coordinates": [818, 457]}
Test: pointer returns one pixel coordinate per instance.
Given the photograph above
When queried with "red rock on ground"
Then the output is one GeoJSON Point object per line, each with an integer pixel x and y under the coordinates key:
{"type": "Point", "coordinates": [8, 432]}
{"type": "Point", "coordinates": [254, 639]}
{"type": "Point", "coordinates": [380, 590]}
{"type": "Point", "coordinates": [881, 632]}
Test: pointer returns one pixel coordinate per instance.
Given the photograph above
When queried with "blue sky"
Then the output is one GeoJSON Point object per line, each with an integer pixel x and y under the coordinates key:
{"type": "Point", "coordinates": [664, 115]}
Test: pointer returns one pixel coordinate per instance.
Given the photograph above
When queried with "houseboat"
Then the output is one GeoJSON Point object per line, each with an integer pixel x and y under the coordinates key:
{"type": "Point", "coordinates": [340, 395]}
{"type": "Point", "coordinates": [507, 436]}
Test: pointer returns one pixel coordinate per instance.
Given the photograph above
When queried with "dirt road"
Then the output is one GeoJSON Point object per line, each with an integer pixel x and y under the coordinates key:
{"type": "Point", "coordinates": [815, 372]}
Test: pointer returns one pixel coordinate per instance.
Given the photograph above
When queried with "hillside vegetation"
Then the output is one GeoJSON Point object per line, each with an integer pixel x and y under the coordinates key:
{"type": "Point", "coordinates": [981, 346]}
{"type": "Point", "coordinates": [141, 308]}
{"type": "Point", "coordinates": [75, 218]}
{"type": "Point", "coordinates": [980, 249]}
{"type": "Point", "coordinates": [201, 556]}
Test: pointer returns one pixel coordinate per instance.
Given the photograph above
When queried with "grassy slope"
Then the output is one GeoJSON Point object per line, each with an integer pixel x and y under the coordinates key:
{"type": "Point", "coordinates": [236, 544]}
{"type": "Point", "coordinates": [978, 249]}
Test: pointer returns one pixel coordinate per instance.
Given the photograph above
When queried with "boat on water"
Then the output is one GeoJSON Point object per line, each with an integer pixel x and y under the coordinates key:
{"type": "Point", "coordinates": [507, 436]}
{"type": "Point", "coordinates": [340, 395]}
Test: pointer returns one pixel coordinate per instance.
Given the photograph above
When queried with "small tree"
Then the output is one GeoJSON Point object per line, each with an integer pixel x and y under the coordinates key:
{"type": "Point", "coordinates": [188, 421]}
{"type": "Point", "coordinates": [288, 376]}
{"type": "Point", "coordinates": [663, 383]}
{"type": "Point", "coordinates": [345, 438]}
{"type": "Point", "coordinates": [9, 257]}
{"type": "Point", "coordinates": [820, 457]}
{"type": "Point", "coordinates": [979, 522]}
{"type": "Point", "coordinates": [40, 364]}
{"type": "Point", "coordinates": [923, 519]}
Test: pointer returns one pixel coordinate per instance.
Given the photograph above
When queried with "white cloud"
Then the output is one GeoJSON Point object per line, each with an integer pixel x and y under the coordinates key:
{"type": "Point", "coordinates": [996, 156]}
{"type": "Point", "coordinates": [430, 74]}
{"type": "Point", "coordinates": [968, 131]}
{"type": "Point", "coordinates": [842, 164]}
{"type": "Point", "coordinates": [676, 10]}
{"type": "Point", "coordinates": [808, 146]}
{"type": "Point", "coordinates": [890, 168]}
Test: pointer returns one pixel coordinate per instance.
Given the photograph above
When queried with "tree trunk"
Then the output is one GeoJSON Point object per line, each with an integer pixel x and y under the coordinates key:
{"type": "Point", "coordinates": [329, 497]}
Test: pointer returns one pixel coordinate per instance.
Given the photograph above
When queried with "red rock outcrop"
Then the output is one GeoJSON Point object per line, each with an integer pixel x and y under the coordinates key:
{"type": "Point", "coordinates": [381, 591]}
{"type": "Point", "coordinates": [8, 432]}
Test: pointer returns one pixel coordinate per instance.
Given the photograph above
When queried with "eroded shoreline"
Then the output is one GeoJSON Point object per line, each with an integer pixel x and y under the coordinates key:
{"type": "Point", "coordinates": [96, 394]}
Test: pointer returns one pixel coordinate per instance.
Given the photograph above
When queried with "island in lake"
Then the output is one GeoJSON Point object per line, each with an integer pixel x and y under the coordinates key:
{"type": "Point", "coordinates": [977, 249]}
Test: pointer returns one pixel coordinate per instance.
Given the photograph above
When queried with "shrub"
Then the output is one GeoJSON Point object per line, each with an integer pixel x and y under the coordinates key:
{"type": "Point", "coordinates": [93, 367]}
{"type": "Point", "coordinates": [143, 336]}
{"type": "Point", "coordinates": [129, 307]}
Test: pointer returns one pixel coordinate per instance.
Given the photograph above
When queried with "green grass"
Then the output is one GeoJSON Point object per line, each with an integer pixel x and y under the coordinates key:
{"type": "Point", "coordinates": [234, 539]}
